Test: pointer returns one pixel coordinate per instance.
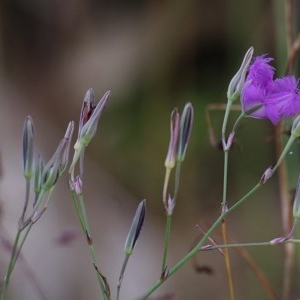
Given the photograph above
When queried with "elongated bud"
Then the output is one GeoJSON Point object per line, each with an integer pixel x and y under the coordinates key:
{"type": "Point", "coordinates": [28, 143]}
{"type": "Point", "coordinates": [87, 109]}
{"type": "Point", "coordinates": [90, 126]}
{"type": "Point", "coordinates": [51, 169]}
{"type": "Point", "coordinates": [186, 124]}
{"type": "Point", "coordinates": [174, 132]}
{"type": "Point", "coordinates": [66, 150]}
{"type": "Point", "coordinates": [135, 228]}
{"type": "Point", "coordinates": [58, 162]}
{"type": "Point", "coordinates": [237, 82]}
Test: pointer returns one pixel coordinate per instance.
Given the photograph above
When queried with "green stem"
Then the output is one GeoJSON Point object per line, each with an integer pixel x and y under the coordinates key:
{"type": "Point", "coordinates": [82, 216]}
{"type": "Point", "coordinates": [27, 193]}
{"type": "Point", "coordinates": [284, 151]}
{"type": "Point", "coordinates": [225, 121]}
{"type": "Point", "coordinates": [21, 244]}
{"type": "Point", "coordinates": [169, 213]}
{"type": "Point", "coordinates": [167, 243]}
{"type": "Point", "coordinates": [10, 266]}
{"type": "Point", "coordinates": [126, 258]}
{"type": "Point", "coordinates": [238, 121]}
{"type": "Point", "coordinates": [17, 247]}
{"type": "Point", "coordinates": [77, 211]}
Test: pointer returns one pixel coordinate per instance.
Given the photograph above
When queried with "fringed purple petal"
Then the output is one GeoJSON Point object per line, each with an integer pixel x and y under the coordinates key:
{"type": "Point", "coordinates": [260, 72]}
{"type": "Point", "coordinates": [279, 98]}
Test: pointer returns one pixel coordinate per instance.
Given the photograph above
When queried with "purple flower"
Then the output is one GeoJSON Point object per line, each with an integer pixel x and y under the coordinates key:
{"type": "Point", "coordinates": [264, 97]}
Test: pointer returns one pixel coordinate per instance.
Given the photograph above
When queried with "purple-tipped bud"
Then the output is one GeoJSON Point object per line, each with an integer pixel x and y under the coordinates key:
{"type": "Point", "coordinates": [87, 109]}
{"type": "Point", "coordinates": [28, 143]}
{"type": "Point", "coordinates": [185, 129]}
{"type": "Point", "coordinates": [174, 132]}
{"type": "Point", "coordinates": [237, 82]}
{"type": "Point", "coordinates": [58, 162]}
{"type": "Point", "coordinates": [90, 123]}
{"type": "Point", "coordinates": [135, 228]}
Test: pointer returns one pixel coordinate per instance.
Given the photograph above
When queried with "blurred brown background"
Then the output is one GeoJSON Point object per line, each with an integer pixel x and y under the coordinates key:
{"type": "Point", "coordinates": [153, 56]}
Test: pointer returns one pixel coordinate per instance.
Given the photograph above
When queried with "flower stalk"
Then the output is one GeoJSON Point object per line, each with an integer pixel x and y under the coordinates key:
{"type": "Point", "coordinates": [180, 132]}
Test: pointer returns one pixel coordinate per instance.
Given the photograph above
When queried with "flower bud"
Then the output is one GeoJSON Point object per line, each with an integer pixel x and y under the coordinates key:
{"type": "Point", "coordinates": [87, 109]}
{"type": "Point", "coordinates": [51, 169]}
{"type": "Point", "coordinates": [90, 123]}
{"type": "Point", "coordinates": [185, 129]}
{"type": "Point", "coordinates": [135, 228]}
{"type": "Point", "coordinates": [28, 143]}
{"type": "Point", "coordinates": [58, 162]}
{"type": "Point", "coordinates": [66, 151]}
{"type": "Point", "coordinates": [174, 131]}
{"type": "Point", "coordinates": [237, 82]}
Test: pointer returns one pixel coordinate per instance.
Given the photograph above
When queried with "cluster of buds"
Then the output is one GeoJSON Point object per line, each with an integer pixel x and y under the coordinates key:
{"type": "Point", "coordinates": [44, 176]}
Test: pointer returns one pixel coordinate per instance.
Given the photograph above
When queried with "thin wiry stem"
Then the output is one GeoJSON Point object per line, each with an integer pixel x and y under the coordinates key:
{"type": "Point", "coordinates": [79, 206]}
{"type": "Point", "coordinates": [167, 243]}
{"type": "Point", "coordinates": [126, 258]}
{"type": "Point", "coordinates": [216, 107]}
{"type": "Point", "coordinates": [27, 194]}
{"type": "Point", "coordinates": [169, 216]}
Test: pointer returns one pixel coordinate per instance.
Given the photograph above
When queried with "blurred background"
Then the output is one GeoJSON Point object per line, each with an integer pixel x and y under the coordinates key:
{"type": "Point", "coordinates": [153, 56]}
